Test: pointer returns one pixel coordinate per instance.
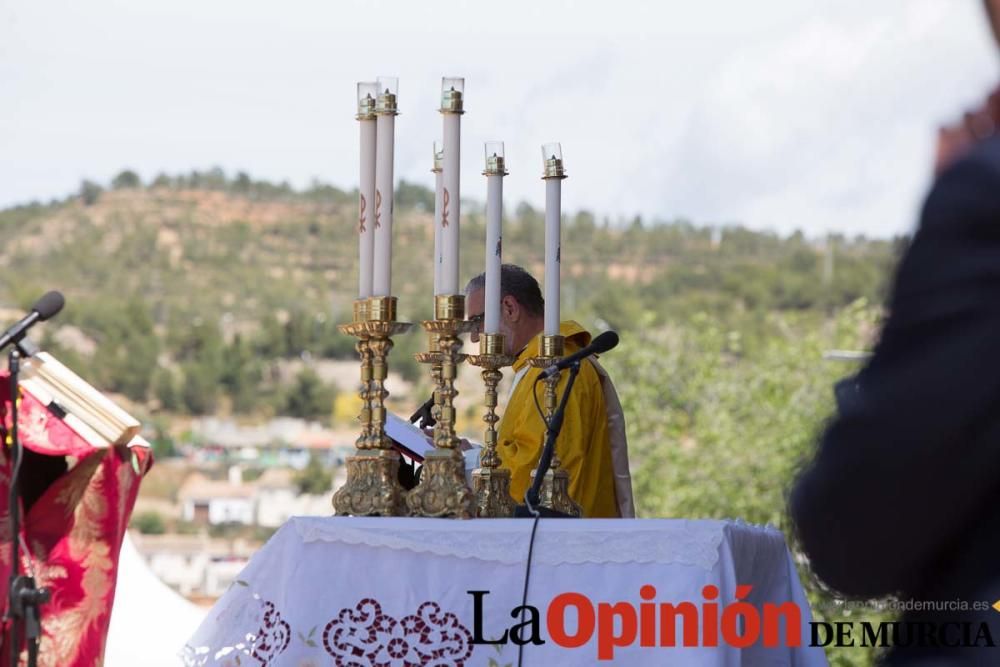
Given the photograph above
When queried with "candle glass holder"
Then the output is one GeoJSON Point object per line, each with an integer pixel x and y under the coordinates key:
{"type": "Point", "coordinates": [495, 161]}
{"type": "Point", "coordinates": [442, 491]}
{"type": "Point", "coordinates": [372, 487]}
{"type": "Point", "coordinates": [452, 92]}
{"type": "Point", "coordinates": [388, 89]}
{"type": "Point", "coordinates": [367, 95]}
{"type": "Point", "coordinates": [490, 482]}
{"type": "Point", "coordinates": [552, 161]}
{"type": "Point", "coordinates": [555, 485]}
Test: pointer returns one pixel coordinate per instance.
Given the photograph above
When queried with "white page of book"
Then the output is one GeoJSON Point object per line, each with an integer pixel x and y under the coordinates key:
{"type": "Point", "coordinates": [408, 435]}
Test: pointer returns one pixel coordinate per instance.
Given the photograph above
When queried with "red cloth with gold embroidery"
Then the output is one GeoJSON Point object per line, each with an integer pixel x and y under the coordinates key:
{"type": "Point", "coordinates": [73, 532]}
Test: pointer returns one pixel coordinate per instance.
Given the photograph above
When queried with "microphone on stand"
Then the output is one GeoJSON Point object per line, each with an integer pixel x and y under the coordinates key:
{"type": "Point", "coordinates": [604, 342]}
{"type": "Point", "coordinates": [24, 596]}
{"type": "Point", "coordinates": [423, 414]}
{"type": "Point", "coordinates": [50, 304]}
{"type": "Point", "coordinates": [531, 508]}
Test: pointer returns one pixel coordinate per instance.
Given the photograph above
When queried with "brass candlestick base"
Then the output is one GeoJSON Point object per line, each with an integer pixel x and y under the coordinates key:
{"type": "Point", "coordinates": [442, 491]}
{"type": "Point", "coordinates": [490, 482]}
{"type": "Point", "coordinates": [372, 487]}
{"type": "Point", "coordinates": [555, 485]}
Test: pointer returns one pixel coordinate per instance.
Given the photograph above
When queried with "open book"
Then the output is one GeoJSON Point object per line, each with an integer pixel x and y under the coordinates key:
{"type": "Point", "coordinates": [413, 443]}
{"type": "Point", "coordinates": [408, 438]}
{"type": "Point", "coordinates": [93, 416]}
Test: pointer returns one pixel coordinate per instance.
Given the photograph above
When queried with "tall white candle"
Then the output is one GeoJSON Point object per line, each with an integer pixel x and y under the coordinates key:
{"type": "Point", "coordinates": [494, 240]}
{"type": "Point", "coordinates": [452, 92]}
{"type": "Point", "coordinates": [438, 181]}
{"type": "Point", "coordinates": [367, 92]}
{"type": "Point", "coordinates": [552, 156]}
{"type": "Point", "coordinates": [385, 128]}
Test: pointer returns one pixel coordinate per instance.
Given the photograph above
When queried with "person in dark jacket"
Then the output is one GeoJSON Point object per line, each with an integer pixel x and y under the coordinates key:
{"type": "Point", "coordinates": [903, 497]}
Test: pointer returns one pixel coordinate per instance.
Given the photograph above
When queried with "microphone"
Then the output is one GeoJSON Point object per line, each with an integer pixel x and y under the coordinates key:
{"type": "Point", "coordinates": [50, 304]}
{"type": "Point", "coordinates": [423, 413]}
{"type": "Point", "coordinates": [606, 341]}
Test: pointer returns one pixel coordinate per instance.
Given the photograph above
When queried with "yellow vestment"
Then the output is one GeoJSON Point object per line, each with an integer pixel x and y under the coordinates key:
{"type": "Point", "coordinates": [583, 445]}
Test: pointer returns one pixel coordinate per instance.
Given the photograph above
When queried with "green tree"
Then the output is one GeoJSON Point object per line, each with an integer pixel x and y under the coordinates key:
{"type": "Point", "coordinates": [126, 179]}
{"type": "Point", "coordinates": [161, 181]}
{"type": "Point", "coordinates": [315, 478]}
{"type": "Point", "coordinates": [242, 183]}
{"type": "Point", "coordinates": [240, 375]}
{"type": "Point", "coordinates": [90, 192]}
{"type": "Point", "coordinates": [411, 195]}
{"type": "Point", "coordinates": [163, 444]}
{"type": "Point", "coordinates": [149, 523]}
{"type": "Point", "coordinates": [166, 391]}
{"type": "Point", "coordinates": [309, 397]}
{"type": "Point", "coordinates": [127, 345]}
{"type": "Point", "coordinates": [200, 391]}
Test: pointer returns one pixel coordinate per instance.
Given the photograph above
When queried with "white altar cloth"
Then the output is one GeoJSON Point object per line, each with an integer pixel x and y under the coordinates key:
{"type": "Point", "coordinates": [395, 591]}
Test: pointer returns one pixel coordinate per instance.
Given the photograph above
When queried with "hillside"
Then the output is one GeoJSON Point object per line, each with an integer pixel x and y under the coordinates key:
{"type": "Point", "coordinates": [183, 291]}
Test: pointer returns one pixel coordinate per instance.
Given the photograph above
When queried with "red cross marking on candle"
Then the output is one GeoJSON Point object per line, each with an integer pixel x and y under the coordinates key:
{"type": "Point", "coordinates": [378, 209]}
{"type": "Point", "coordinates": [444, 207]}
{"type": "Point", "coordinates": [362, 218]}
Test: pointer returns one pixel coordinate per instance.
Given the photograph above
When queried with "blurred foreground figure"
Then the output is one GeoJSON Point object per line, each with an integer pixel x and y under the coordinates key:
{"type": "Point", "coordinates": [904, 494]}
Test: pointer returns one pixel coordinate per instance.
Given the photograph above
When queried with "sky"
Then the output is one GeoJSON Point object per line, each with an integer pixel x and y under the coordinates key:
{"type": "Point", "coordinates": [779, 114]}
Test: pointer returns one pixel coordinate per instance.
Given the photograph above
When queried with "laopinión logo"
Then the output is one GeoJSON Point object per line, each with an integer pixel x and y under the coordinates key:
{"type": "Point", "coordinates": [652, 624]}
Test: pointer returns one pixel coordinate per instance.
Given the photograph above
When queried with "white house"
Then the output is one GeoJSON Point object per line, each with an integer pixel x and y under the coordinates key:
{"type": "Point", "coordinates": [276, 495]}
{"type": "Point", "coordinates": [215, 502]}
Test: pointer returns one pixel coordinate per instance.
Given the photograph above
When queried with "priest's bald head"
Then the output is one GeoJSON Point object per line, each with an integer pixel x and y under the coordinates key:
{"type": "Point", "coordinates": [522, 308]}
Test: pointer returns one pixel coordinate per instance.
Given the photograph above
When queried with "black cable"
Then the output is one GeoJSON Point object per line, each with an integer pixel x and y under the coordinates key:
{"type": "Point", "coordinates": [553, 427]}
{"type": "Point", "coordinates": [538, 406]}
{"type": "Point", "coordinates": [527, 577]}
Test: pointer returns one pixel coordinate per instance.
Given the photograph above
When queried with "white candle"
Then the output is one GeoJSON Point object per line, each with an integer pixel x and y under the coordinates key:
{"type": "Point", "coordinates": [494, 244]}
{"type": "Point", "coordinates": [452, 92]}
{"type": "Point", "coordinates": [367, 92]}
{"type": "Point", "coordinates": [552, 156]}
{"type": "Point", "coordinates": [438, 180]}
{"type": "Point", "coordinates": [385, 128]}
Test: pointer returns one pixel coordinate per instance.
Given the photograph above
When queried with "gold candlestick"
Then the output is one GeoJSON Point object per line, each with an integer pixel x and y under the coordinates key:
{"type": "Point", "coordinates": [490, 482]}
{"type": "Point", "coordinates": [433, 357]}
{"type": "Point", "coordinates": [372, 487]}
{"type": "Point", "coordinates": [554, 493]}
{"type": "Point", "coordinates": [442, 491]}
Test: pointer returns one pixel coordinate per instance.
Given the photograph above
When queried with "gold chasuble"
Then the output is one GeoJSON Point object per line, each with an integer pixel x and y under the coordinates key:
{"type": "Point", "coordinates": [583, 445]}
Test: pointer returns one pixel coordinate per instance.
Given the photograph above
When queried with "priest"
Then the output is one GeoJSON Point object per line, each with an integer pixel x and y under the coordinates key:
{"type": "Point", "coordinates": [591, 445]}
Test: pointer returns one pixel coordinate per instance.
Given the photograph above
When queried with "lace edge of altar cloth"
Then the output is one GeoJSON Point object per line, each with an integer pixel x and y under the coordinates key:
{"type": "Point", "coordinates": [662, 541]}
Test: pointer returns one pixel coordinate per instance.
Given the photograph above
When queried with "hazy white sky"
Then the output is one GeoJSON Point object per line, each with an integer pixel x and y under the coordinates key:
{"type": "Point", "coordinates": [779, 114]}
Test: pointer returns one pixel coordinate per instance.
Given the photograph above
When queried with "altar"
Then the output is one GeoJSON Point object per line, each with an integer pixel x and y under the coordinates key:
{"type": "Point", "coordinates": [417, 591]}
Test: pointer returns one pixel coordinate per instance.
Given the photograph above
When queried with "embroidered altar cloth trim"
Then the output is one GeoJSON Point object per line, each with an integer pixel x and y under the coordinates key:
{"type": "Point", "coordinates": [663, 541]}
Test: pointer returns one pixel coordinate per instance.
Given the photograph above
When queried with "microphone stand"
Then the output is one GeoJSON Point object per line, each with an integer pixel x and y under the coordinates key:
{"type": "Point", "coordinates": [553, 427]}
{"type": "Point", "coordinates": [23, 596]}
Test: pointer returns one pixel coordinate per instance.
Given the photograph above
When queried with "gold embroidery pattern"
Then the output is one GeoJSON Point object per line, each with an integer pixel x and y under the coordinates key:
{"type": "Point", "coordinates": [66, 631]}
